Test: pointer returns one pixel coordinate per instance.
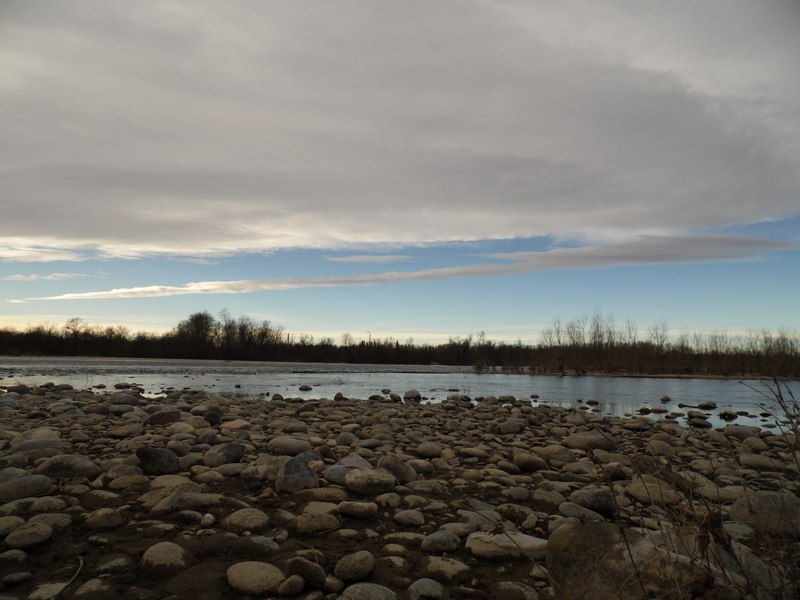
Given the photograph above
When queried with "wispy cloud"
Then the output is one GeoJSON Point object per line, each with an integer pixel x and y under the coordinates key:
{"type": "Point", "coordinates": [647, 250]}
{"type": "Point", "coordinates": [17, 301]}
{"type": "Point", "coordinates": [47, 277]}
{"type": "Point", "coordinates": [370, 258]}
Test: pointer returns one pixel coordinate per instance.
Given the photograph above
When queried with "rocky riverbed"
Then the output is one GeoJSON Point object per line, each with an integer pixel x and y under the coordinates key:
{"type": "Point", "coordinates": [113, 495]}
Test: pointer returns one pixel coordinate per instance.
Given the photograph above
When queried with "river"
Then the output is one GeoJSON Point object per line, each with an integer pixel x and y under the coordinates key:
{"type": "Point", "coordinates": [617, 396]}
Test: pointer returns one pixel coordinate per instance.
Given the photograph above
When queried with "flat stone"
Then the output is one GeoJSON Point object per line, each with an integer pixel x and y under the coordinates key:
{"type": "Point", "coordinates": [509, 544]}
{"type": "Point", "coordinates": [775, 513]}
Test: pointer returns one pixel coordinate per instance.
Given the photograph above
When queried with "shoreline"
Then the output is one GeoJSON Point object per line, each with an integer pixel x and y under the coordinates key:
{"type": "Point", "coordinates": [211, 497]}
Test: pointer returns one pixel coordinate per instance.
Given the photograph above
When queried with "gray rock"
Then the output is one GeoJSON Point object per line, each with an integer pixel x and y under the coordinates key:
{"type": "Point", "coordinates": [443, 569]}
{"type": "Point", "coordinates": [355, 566]}
{"type": "Point", "coordinates": [440, 541]}
{"type": "Point", "coordinates": [358, 510]}
{"type": "Point", "coordinates": [505, 545]}
{"type": "Point", "coordinates": [10, 523]}
{"type": "Point", "coordinates": [254, 578]}
{"type": "Point", "coordinates": [68, 466]}
{"type": "Point", "coordinates": [158, 461]}
{"type": "Point", "coordinates": [104, 518]}
{"type": "Point", "coordinates": [163, 417]}
{"type": "Point", "coordinates": [369, 482]}
{"type": "Point", "coordinates": [368, 591]}
{"type": "Point", "coordinates": [288, 446]}
{"type": "Point", "coordinates": [29, 535]}
{"type": "Point", "coordinates": [589, 440]}
{"type": "Point", "coordinates": [25, 487]}
{"type": "Point", "coordinates": [512, 590]}
{"type": "Point", "coordinates": [96, 589]}
{"type": "Point", "coordinates": [224, 454]}
{"type": "Point", "coordinates": [592, 560]}
{"type": "Point", "coordinates": [294, 475]}
{"type": "Point", "coordinates": [246, 519]}
{"type": "Point", "coordinates": [311, 572]}
{"type": "Point", "coordinates": [425, 588]}
{"type": "Point", "coordinates": [409, 518]}
{"type": "Point", "coordinates": [775, 513]}
{"type": "Point", "coordinates": [164, 558]}
{"type": "Point", "coordinates": [398, 467]}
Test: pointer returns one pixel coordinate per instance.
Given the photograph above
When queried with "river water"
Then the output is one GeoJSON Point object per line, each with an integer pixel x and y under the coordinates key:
{"type": "Point", "coordinates": [617, 396]}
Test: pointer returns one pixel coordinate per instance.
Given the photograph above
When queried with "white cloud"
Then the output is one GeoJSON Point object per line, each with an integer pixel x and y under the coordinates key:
{"type": "Point", "coordinates": [370, 258]}
{"type": "Point", "coordinates": [211, 128]}
{"type": "Point", "coordinates": [648, 250]}
{"type": "Point", "coordinates": [47, 277]}
{"type": "Point", "coordinates": [17, 301]}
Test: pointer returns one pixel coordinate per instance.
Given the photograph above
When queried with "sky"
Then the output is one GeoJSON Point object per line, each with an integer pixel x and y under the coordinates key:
{"type": "Point", "coordinates": [401, 169]}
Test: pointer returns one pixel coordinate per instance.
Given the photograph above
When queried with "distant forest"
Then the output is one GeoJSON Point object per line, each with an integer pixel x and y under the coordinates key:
{"type": "Point", "coordinates": [587, 345]}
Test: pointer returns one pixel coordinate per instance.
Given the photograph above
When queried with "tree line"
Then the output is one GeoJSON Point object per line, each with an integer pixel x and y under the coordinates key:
{"type": "Point", "coordinates": [586, 345]}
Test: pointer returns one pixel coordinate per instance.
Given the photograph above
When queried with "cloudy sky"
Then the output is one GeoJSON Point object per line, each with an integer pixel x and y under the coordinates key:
{"type": "Point", "coordinates": [409, 169]}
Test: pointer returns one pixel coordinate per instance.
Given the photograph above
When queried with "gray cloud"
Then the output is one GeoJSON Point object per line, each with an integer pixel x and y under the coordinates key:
{"type": "Point", "coordinates": [648, 250]}
{"type": "Point", "coordinates": [212, 128]}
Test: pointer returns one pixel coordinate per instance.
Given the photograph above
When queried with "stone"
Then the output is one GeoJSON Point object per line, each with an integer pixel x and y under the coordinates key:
{"type": "Point", "coordinates": [246, 519]}
{"type": "Point", "coordinates": [295, 475]}
{"type": "Point", "coordinates": [774, 513]}
{"type": "Point", "coordinates": [440, 541]}
{"type": "Point", "coordinates": [309, 523]}
{"type": "Point", "coordinates": [186, 501]}
{"type": "Point", "coordinates": [164, 558]}
{"type": "Point", "coordinates": [355, 566]}
{"type": "Point", "coordinates": [10, 523]}
{"type": "Point", "coordinates": [589, 440]}
{"type": "Point", "coordinates": [224, 454]}
{"type": "Point", "coordinates": [443, 569]}
{"type": "Point", "coordinates": [163, 417]}
{"type": "Point", "coordinates": [96, 589]}
{"type": "Point", "coordinates": [648, 489]}
{"type": "Point", "coordinates": [409, 518]}
{"type": "Point", "coordinates": [311, 572]}
{"type": "Point", "coordinates": [429, 450]}
{"type": "Point", "coordinates": [25, 487]}
{"type": "Point", "coordinates": [285, 445]}
{"type": "Point", "coordinates": [158, 461]}
{"type": "Point", "coordinates": [48, 591]}
{"type": "Point", "coordinates": [291, 586]}
{"type": "Point", "coordinates": [254, 578]}
{"type": "Point", "coordinates": [593, 560]}
{"type": "Point", "coordinates": [358, 510]}
{"type": "Point", "coordinates": [29, 535]}
{"type": "Point", "coordinates": [412, 396]}
{"type": "Point", "coordinates": [68, 466]}
{"type": "Point", "coordinates": [104, 518]}
{"type": "Point", "coordinates": [505, 545]}
{"type": "Point", "coordinates": [512, 590]}
{"type": "Point", "coordinates": [368, 591]}
{"type": "Point", "coordinates": [369, 482]}
{"type": "Point", "coordinates": [425, 588]}
{"type": "Point", "coordinates": [402, 471]}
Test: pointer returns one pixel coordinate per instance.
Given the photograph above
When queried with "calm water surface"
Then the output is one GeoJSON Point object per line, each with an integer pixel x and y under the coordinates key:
{"type": "Point", "coordinates": [618, 396]}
